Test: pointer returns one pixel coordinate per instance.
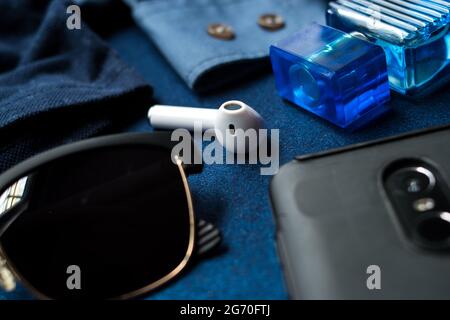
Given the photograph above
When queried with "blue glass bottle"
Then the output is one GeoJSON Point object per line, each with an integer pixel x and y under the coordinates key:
{"type": "Point", "coordinates": [335, 75]}
{"type": "Point", "coordinates": [414, 34]}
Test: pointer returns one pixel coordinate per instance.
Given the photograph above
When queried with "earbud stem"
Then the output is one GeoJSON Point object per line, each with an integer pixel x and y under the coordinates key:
{"type": "Point", "coordinates": [172, 117]}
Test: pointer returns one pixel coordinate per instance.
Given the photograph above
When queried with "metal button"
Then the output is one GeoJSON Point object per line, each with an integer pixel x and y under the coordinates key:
{"type": "Point", "coordinates": [221, 31]}
{"type": "Point", "coordinates": [271, 21]}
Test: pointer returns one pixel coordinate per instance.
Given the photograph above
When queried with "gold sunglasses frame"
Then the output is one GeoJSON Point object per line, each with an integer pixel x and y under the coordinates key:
{"type": "Point", "coordinates": [9, 275]}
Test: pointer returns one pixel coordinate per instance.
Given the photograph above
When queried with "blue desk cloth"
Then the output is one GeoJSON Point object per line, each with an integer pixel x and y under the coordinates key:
{"type": "Point", "coordinates": [234, 197]}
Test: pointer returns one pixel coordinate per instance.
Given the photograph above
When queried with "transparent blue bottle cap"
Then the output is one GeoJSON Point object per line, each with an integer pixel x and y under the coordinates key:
{"type": "Point", "coordinates": [335, 75]}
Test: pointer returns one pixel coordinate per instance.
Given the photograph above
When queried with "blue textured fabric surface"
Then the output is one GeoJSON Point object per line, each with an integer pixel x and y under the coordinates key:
{"type": "Point", "coordinates": [235, 198]}
{"type": "Point", "coordinates": [179, 28]}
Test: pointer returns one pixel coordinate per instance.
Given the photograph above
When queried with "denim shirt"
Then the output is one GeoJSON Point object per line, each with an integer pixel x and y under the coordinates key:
{"type": "Point", "coordinates": [179, 30]}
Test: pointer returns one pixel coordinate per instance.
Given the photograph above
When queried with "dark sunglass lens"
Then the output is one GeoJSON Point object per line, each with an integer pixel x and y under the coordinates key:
{"type": "Point", "coordinates": [100, 223]}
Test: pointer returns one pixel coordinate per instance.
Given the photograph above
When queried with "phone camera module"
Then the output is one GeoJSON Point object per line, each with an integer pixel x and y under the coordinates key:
{"type": "Point", "coordinates": [420, 198]}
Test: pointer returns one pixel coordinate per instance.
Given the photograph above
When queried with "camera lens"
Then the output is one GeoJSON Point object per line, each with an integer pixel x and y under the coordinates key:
{"type": "Point", "coordinates": [415, 180]}
{"type": "Point", "coordinates": [435, 227]}
{"type": "Point", "coordinates": [416, 184]}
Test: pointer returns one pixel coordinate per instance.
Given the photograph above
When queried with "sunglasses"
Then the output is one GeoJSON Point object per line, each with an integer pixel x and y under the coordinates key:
{"type": "Point", "coordinates": [109, 217]}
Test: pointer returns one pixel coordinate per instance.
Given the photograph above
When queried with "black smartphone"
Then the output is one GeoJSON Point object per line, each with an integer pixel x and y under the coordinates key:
{"type": "Point", "coordinates": [369, 221]}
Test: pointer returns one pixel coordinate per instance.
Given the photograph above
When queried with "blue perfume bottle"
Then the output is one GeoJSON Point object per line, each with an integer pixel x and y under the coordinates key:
{"type": "Point", "coordinates": [415, 35]}
{"type": "Point", "coordinates": [338, 76]}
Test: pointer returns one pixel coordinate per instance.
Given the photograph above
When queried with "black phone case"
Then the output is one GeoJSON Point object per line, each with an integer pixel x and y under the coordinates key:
{"type": "Point", "coordinates": [333, 222]}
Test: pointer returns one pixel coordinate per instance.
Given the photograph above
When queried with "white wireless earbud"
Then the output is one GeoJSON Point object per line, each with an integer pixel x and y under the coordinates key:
{"type": "Point", "coordinates": [226, 121]}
